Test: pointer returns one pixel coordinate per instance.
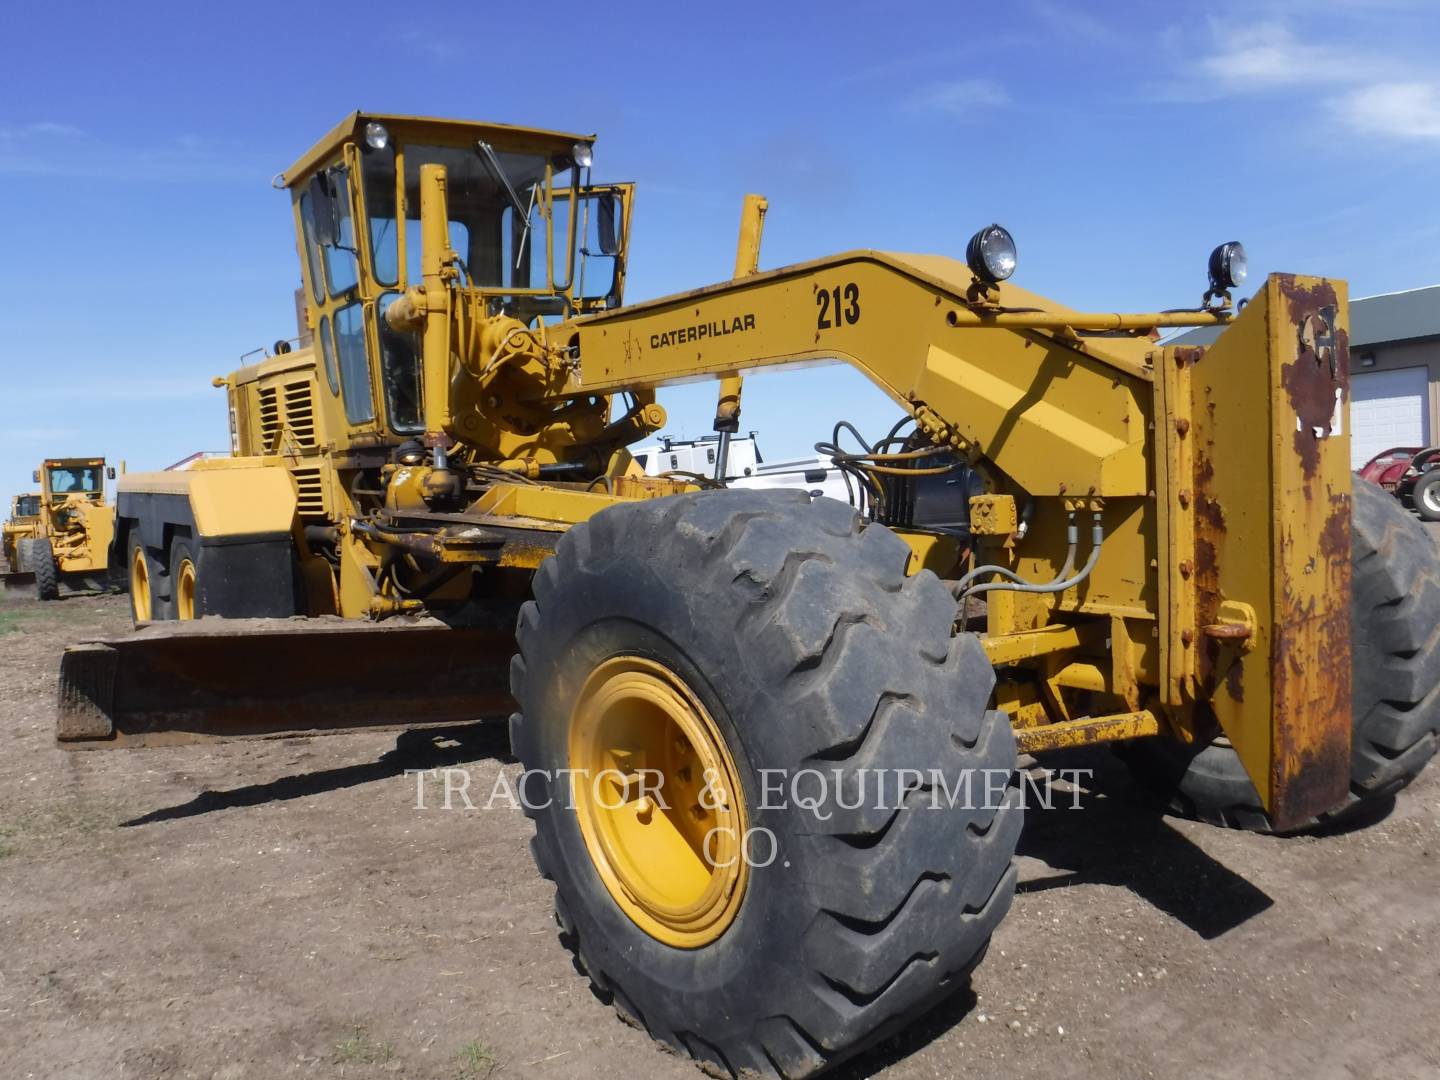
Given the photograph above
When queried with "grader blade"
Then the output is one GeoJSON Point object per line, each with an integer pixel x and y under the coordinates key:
{"type": "Point", "coordinates": [176, 683]}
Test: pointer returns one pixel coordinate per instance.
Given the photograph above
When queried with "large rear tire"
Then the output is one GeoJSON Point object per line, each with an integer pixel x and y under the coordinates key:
{"type": "Point", "coordinates": [1395, 683]}
{"type": "Point", "coordinates": [38, 557]}
{"type": "Point", "coordinates": [765, 635]}
{"type": "Point", "coordinates": [186, 601]}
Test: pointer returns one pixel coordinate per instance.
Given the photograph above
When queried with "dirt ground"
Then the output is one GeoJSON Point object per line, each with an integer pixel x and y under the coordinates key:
{"type": "Point", "coordinates": [282, 909]}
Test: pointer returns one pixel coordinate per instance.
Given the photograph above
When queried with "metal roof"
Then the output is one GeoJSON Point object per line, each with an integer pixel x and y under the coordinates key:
{"type": "Point", "coordinates": [1374, 320]}
{"type": "Point", "coordinates": [349, 128]}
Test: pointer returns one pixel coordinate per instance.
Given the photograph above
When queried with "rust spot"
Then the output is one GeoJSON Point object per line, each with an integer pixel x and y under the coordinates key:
{"type": "Point", "coordinates": [1182, 427]}
{"type": "Point", "coordinates": [1318, 379]}
{"type": "Point", "coordinates": [1210, 534]}
{"type": "Point", "coordinates": [1188, 355]}
{"type": "Point", "coordinates": [1310, 670]}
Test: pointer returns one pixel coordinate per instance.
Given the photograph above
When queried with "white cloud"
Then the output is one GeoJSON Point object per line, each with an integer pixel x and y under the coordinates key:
{"type": "Point", "coordinates": [962, 98]}
{"type": "Point", "coordinates": [1401, 110]}
{"type": "Point", "coordinates": [1268, 55]}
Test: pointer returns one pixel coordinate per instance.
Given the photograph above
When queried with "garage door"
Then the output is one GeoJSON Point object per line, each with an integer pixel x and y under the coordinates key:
{"type": "Point", "coordinates": [1388, 408]}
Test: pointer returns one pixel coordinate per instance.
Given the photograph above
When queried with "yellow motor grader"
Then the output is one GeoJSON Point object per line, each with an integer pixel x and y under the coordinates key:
{"type": "Point", "coordinates": [24, 513]}
{"type": "Point", "coordinates": [770, 740]}
{"type": "Point", "coordinates": [61, 535]}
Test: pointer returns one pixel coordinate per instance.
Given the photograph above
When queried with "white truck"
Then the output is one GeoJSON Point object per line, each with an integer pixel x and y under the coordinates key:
{"type": "Point", "coordinates": [745, 467]}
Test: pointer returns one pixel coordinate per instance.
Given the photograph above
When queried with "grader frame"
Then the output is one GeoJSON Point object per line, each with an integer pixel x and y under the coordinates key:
{"type": "Point", "coordinates": [1216, 482]}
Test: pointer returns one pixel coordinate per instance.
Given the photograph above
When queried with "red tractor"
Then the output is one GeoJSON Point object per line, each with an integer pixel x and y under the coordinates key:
{"type": "Point", "coordinates": [1411, 474]}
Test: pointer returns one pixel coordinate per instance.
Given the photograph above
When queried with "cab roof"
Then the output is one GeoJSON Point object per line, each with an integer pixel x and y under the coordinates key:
{"type": "Point", "coordinates": [412, 127]}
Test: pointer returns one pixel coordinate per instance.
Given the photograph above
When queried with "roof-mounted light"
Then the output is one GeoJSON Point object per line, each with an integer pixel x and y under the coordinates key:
{"type": "Point", "coordinates": [991, 254]}
{"type": "Point", "coordinates": [1228, 266]}
{"type": "Point", "coordinates": [377, 135]}
{"type": "Point", "coordinates": [584, 154]}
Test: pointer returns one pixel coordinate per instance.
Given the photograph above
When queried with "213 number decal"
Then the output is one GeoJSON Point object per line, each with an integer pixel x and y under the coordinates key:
{"type": "Point", "coordinates": [832, 308]}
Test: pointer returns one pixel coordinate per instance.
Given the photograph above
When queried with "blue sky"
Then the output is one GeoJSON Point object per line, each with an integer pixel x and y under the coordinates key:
{"type": "Point", "coordinates": [144, 250]}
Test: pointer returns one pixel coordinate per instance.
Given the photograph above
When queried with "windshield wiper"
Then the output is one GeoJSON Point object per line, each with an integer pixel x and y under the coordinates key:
{"type": "Point", "coordinates": [492, 162]}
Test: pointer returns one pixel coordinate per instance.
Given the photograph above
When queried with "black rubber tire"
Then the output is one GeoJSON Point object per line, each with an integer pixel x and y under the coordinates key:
{"type": "Point", "coordinates": [797, 627]}
{"type": "Point", "coordinates": [1425, 496]}
{"type": "Point", "coordinates": [181, 548]}
{"type": "Point", "coordinates": [157, 606]}
{"type": "Point", "coordinates": [39, 559]}
{"type": "Point", "coordinates": [1395, 687]}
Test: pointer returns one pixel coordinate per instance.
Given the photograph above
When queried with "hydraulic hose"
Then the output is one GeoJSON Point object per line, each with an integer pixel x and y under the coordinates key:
{"type": "Point", "coordinates": [1062, 580]}
{"type": "Point", "coordinates": [1072, 536]}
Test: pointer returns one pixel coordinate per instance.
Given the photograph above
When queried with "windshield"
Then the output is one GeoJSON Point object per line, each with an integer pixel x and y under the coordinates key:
{"type": "Point", "coordinates": [67, 479]}
{"type": "Point", "coordinates": [496, 221]}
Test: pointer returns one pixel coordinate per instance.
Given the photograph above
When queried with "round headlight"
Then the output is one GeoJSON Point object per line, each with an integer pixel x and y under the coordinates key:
{"type": "Point", "coordinates": [377, 137]}
{"type": "Point", "coordinates": [991, 254]}
{"type": "Point", "coordinates": [1228, 265]}
{"type": "Point", "coordinates": [584, 154]}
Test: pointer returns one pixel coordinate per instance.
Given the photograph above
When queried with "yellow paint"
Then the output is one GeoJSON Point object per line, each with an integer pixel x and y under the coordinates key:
{"type": "Point", "coordinates": [1087, 731]}
{"type": "Point", "coordinates": [936, 552]}
{"type": "Point", "coordinates": [228, 496]}
{"type": "Point", "coordinates": [141, 605]}
{"type": "Point", "coordinates": [659, 802]}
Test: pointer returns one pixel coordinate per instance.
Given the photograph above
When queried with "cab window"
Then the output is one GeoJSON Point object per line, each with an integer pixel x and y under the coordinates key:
{"type": "Point", "coordinates": [483, 190]}
{"type": "Point", "coordinates": [377, 178]}
{"type": "Point", "coordinates": [341, 271]}
{"type": "Point", "coordinates": [399, 372]}
{"type": "Point", "coordinates": [356, 392]}
{"type": "Point", "coordinates": [75, 478]}
{"type": "Point", "coordinates": [312, 245]}
{"type": "Point", "coordinates": [327, 352]}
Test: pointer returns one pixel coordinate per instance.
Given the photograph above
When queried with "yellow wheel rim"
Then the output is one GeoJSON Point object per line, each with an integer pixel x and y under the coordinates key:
{"type": "Point", "coordinates": [140, 585]}
{"type": "Point", "coordinates": [185, 590]}
{"type": "Point", "coordinates": [659, 801]}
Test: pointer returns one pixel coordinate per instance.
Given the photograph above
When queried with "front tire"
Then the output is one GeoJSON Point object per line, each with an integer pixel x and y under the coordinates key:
{"type": "Point", "coordinates": [1395, 681]}
{"type": "Point", "coordinates": [790, 632]}
{"type": "Point", "coordinates": [38, 556]}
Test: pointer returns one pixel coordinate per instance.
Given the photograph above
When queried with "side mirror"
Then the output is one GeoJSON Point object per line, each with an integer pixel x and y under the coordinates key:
{"type": "Point", "coordinates": [322, 207]}
{"type": "Point", "coordinates": [35, 476]}
{"type": "Point", "coordinates": [110, 473]}
{"type": "Point", "coordinates": [607, 224]}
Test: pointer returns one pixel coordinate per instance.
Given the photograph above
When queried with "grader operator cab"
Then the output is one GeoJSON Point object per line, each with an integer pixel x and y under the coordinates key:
{"type": "Point", "coordinates": [770, 741]}
{"type": "Point", "coordinates": [61, 536]}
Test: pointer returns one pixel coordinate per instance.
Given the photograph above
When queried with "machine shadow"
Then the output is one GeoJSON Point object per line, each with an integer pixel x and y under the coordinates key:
{"type": "Point", "coordinates": [435, 748]}
{"type": "Point", "coordinates": [1104, 832]}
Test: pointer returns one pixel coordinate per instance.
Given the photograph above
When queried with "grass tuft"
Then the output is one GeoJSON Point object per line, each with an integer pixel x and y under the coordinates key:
{"type": "Point", "coordinates": [476, 1061]}
{"type": "Point", "coordinates": [361, 1049]}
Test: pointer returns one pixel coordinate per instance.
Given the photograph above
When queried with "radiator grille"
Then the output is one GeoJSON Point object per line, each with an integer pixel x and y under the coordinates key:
{"type": "Point", "coordinates": [300, 412]}
{"type": "Point", "coordinates": [269, 418]}
{"type": "Point", "coordinates": [310, 491]}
